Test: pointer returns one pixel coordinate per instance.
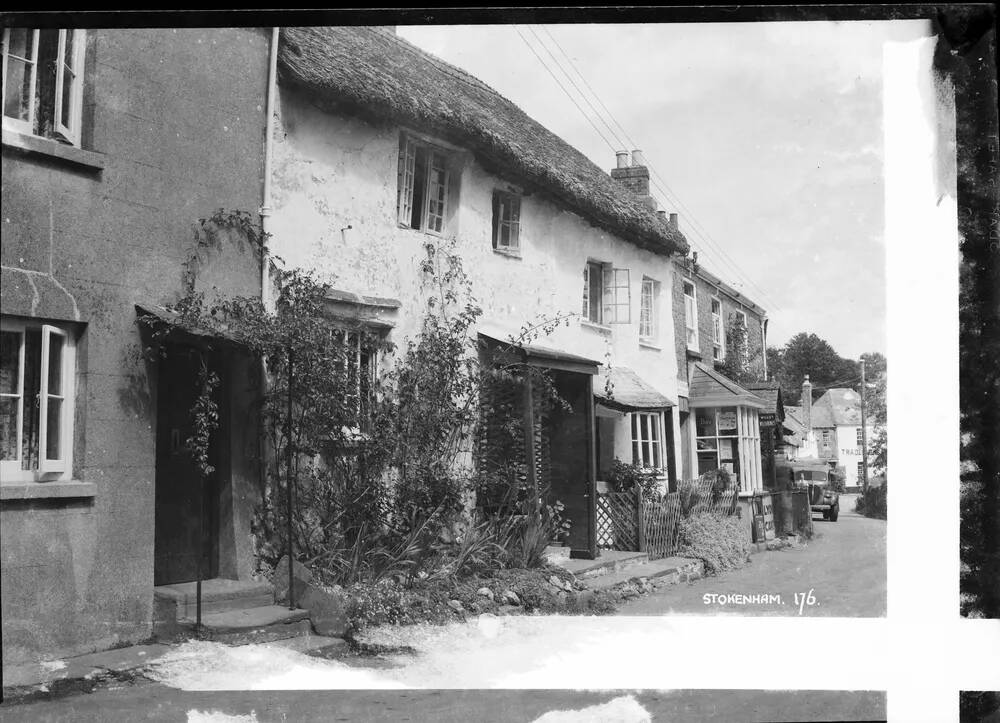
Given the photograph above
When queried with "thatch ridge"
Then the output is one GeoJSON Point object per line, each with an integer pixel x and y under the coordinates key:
{"type": "Point", "coordinates": [391, 79]}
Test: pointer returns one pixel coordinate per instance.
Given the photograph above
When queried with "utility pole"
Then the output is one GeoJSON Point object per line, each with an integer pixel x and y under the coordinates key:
{"type": "Point", "coordinates": [864, 432]}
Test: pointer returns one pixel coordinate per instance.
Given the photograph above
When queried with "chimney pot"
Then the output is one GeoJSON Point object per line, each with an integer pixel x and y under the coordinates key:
{"type": "Point", "coordinates": [673, 221]}
{"type": "Point", "coordinates": [662, 215]}
{"type": "Point", "coordinates": [622, 159]}
{"type": "Point", "coordinates": [637, 158]}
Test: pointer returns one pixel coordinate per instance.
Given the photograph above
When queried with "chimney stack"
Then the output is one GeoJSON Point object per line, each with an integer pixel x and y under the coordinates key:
{"type": "Point", "coordinates": [634, 177]}
{"type": "Point", "coordinates": [807, 404]}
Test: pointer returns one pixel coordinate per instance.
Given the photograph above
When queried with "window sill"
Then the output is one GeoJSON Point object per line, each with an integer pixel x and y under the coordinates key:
{"type": "Point", "coordinates": [600, 328]}
{"type": "Point", "coordinates": [649, 344]}
{"type": "Point", "coordinates": [694, 353]}
{"type": "Point", "coordinates": [47, 490]}
{"type": "Point", "coordinates": [90, 160]}
{"type": "Point", "coordinates": [509, 253]}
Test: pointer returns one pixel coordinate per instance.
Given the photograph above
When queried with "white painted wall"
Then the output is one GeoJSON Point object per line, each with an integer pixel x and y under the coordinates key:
{"type": "Point", "coordinates": [333, 171]}
{"type": "Point", "coordinates": [849, 453]}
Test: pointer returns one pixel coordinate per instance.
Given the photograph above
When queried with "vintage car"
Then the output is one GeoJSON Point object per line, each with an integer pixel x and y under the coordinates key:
{"type": "Point", "coordinates": [814, 476]}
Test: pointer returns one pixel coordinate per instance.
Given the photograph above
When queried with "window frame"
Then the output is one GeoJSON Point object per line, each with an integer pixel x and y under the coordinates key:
{"type": "Point", "coordinates": [650, 446]}
{"type": "Point", "coordinates": [859, 435]}
{"type": "Point", "coordinates": [718, 332]}
{"type": "Point", "coordinates": [614, 286]}
{"type": "Point", "coordinates": [651, 313]}
{"type": "Point", "coordinates": [692, 339]}
{"type": "Point", "coordinates": [49, 469]}
{"type": "Point", "coordinates": [406, 184]}
{"type": "Point", "coordinates": [68, 133]}
{"type": "Point", "coordinates": [513, 223]}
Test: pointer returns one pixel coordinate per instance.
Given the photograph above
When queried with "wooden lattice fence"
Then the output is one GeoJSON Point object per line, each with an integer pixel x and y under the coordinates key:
{"type": "Point", "coordinates": [629, 521]}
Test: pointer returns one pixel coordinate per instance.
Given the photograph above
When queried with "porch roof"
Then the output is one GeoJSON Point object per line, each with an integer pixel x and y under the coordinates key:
{"type": "Point", "coordinates": [184, 331]}
{"type": "Point", "coordinates": [629, 391]}
{"type": "Point", "coordinates": [541, 356]}
{"type": "Point", "coordinates": [709, 388]}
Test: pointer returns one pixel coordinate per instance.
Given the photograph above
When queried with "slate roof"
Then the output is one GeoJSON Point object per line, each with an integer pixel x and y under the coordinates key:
{"type": "Point", "coordinates": [371, 71]}
{"type": "Point", "coordinates": [629, 391]}
{"type": "Point", "coordinates": [770, 392]}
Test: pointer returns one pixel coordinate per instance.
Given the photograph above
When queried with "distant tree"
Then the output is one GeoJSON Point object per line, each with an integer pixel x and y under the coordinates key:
{"type": "Point", "coordinates": [875, 415]}
{"type": "Point", "coordinates": [806, 353]}
{"type": "Point", "coordinates": [875, 364]}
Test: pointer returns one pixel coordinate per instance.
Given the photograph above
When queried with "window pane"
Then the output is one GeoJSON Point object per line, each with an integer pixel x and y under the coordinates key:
{"type": "Point", "coordinates": [10, 348]}
{"type": "Point", "coordinates": [644, 427]}
{"type": "Point", "coordinates": [656, 455]}
{"type": "Point", "coordinates": [705, 421]}
{"type": "Point", "coordinates": [55, 363]}
{"type": "Point", "coordinates": [596, 292]}
{"type": "Point", "coordinates": [53, 438]}
{"type": "Point", "coordinates": [18, 95]}
{"type": "Point", "coordinates": [727, 420]}
{"type": "Point", "coordinates": [654, 428]}
{"type": "Point", "coordinates": [419, 187]}
{"type": "Point", "coordinates": [8, 427]}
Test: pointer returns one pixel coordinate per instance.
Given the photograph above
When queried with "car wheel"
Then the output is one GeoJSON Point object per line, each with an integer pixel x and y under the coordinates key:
{"type": "Point", "coordinates": [826, 515]}
{"type": "Point", "coordinates": [834, 513]}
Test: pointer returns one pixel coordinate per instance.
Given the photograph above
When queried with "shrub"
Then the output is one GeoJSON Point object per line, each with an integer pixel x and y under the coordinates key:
{"type": "Point", "coordinates": [838, 479]}
{"type": "Point", "coordinates": [624, 477]}
{"type": "Point", "coordinates": [721, 542]}
{"type": "Point", "coordinates": [874, 502]}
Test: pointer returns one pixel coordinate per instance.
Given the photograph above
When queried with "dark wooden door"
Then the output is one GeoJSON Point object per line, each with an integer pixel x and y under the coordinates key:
{"type": "Point", "coordinates": [186, 517]}
{"type": "Point", "coordinates": [571, 450]}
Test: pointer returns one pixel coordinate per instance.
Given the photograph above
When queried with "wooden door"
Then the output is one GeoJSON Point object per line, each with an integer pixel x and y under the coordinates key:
{"type": "Point", "coordinates": [186, 516]}
{"type": "Point", "coordinates": [572, 452]}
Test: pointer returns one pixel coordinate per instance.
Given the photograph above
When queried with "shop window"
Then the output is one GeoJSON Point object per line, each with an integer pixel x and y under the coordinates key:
{"type": "Point", "coordinates": [729, 438]}
{"type": "Point", "coordinates": [43, 82]}
{"type": "Point", "coordinates": [37, 371]}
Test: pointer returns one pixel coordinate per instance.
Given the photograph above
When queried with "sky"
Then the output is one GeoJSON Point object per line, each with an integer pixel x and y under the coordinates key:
{"type": "Point", "coordinates": [765, 138]}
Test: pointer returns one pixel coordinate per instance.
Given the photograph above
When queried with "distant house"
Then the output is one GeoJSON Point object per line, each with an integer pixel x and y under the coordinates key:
{"type": "Point", "coordinates": [382, 149]}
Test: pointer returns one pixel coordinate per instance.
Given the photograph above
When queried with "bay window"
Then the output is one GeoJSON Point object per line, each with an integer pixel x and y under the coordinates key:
{"type": "Point", "coordinates": [43, 82]}
{"type": "Point", "coordinates": [37, 370]}
{"type": "Point", "coordinates": [729, 438]}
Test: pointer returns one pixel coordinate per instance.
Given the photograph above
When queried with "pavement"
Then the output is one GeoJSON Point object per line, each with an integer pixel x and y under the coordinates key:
{"type": "Point", "coordinates": [160, 703]}
{"type": "Point", "coordinates": [841, 572]}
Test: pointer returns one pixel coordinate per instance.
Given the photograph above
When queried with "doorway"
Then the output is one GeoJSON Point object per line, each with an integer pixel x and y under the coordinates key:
{"type": "Point", "coordinates": [186, 532]}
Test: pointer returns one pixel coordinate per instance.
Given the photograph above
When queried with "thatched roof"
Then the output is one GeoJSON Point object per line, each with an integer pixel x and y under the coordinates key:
{"type": "Point", "coordinates": [370, 71]}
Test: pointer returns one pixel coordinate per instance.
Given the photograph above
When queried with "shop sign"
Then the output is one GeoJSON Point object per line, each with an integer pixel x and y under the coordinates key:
{"type": "Point", "coordinates": [767, 419]}
{"type": "Point", "coordinates": [727, 420]}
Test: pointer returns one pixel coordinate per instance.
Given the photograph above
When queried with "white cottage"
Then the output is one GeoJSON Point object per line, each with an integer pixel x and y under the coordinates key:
{"type": "Point", "coordinates": [379, 147]}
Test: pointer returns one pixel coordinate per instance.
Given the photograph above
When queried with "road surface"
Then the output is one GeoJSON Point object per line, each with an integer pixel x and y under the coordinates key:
{"type": "Point", "coordinates": [843, 567]}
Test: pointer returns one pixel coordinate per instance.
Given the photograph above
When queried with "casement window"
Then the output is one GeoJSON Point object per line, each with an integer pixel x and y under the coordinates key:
{"type": "Point", "coordinates": [606, 294]}
{"type": "Point", "coordinates": [37, 372]}
{"type": "Point", "coordinates": [860, 437]}
{"type": "Point", "coordinates": [359, 364]}
{"type": "Point", "coordinates": [43, 82]}
{"type": "Point", "coordinates": [647, 439]}
{"type": "Point", "coordinates": [506, 221]}
{"type": "Point", "coordinates": [648, 311]}
{"type": "Point", "coordinates": [691, 316]}
{"type": "Point", "coordinates": [718, 332]}
{"type": "Point", "coordinates": [424, 178]}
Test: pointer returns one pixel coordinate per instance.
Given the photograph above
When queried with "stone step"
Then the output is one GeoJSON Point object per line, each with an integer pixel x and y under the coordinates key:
{"type": "Point", "coordinates": [217, 595]}
{"type": "Point", "coordinates": [609, 561]}
{"type": "Point", "coordinates": [669, 570]}
{"type": "Point", "coordinates": [253, 625]}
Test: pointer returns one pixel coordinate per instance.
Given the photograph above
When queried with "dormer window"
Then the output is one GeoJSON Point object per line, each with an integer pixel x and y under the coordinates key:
{"type": "Point", "coordinates": [43, 82]}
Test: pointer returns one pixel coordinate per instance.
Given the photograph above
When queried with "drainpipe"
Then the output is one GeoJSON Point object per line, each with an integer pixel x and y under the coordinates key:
{"type": "Point", "coordinates": [265, 207]}
{"type": "Point", "coordinates": [763, 343]}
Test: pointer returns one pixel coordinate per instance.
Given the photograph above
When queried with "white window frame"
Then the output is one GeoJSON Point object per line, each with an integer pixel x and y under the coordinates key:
{"type": "Point", "coordinates": [438, 160]}
{"type": "Point", "coordinates": [718, 332]}
{"type": "Point", "coordinates": [649, 310]}
{"type": "Point", "coordinates": [615, 292]}
{"type": "Point", "coordinates": [512, 201]}
{"type": "Point", "coordinates": [859, 437]}
{"type": "Point", "coordinates": [645, 445]}
{"type": "Point", "coordinates": [691, 315]}
{"type": "Point", "coordinates": [747, 440]}
{"type": "Point", "coordinates": [48, 469]}
{"type": "Point", "coordinates": [70, 133]}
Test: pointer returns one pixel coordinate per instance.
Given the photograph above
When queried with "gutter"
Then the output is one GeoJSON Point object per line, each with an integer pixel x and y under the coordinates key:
{"type": "Point", "coordinates": [265, 207]}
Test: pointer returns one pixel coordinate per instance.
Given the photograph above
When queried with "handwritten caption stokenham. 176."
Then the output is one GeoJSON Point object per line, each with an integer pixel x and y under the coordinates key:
{"type": "Point", "coordinates": [802, 600]}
